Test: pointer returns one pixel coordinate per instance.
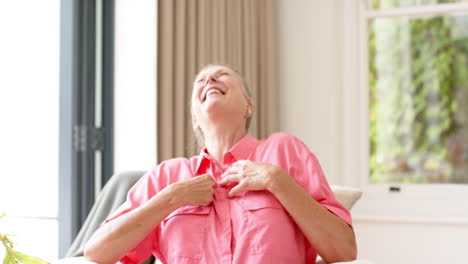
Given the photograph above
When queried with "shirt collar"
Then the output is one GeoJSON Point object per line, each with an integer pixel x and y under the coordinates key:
{"type": "Point", "coordinates": [244, 147]}
{"type": "Point", "coordinates": [240, 151]}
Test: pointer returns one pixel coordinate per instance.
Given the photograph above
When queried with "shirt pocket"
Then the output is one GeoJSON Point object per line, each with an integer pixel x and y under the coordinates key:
{"type": "Point", "coordinates": [183, 232]}
{"type": "Point", "coordinates": [257, 200]}
{"type": "Point", "coordinates": [270, 229]}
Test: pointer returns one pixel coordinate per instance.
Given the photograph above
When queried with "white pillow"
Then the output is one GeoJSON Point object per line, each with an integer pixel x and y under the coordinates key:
{"type": "Point", "coordinates": [347, 196]}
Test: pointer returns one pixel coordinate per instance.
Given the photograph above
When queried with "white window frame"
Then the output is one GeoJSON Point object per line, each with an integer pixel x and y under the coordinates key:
{"type": "Point", "coordinates": [415, 203]}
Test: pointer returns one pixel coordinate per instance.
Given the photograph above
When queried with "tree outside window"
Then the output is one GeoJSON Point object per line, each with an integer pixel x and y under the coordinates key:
{"type": "Point", "coordinates": [418, 97]}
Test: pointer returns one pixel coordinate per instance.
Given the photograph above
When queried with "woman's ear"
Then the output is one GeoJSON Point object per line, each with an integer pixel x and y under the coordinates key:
{"type": "Point", "coordinates": [249, 109]}
{"type": "Point", "coordinates": [195, 124]}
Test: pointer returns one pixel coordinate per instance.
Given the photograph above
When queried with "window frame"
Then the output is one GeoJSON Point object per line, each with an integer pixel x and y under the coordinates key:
{"type": "Point", "coordinates": [416, 203]}
{"type": "Point", "coordinates": [86, 101]}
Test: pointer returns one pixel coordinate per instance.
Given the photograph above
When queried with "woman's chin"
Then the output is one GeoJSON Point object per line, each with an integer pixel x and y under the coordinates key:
{"type": "Point", "coordinates": [218, 112]}
{"type": "Point", "coordinates": [213, 106]}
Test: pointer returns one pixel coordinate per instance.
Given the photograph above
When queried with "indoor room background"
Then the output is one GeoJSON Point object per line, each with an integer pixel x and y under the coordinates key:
{"type": "Point", "coordinates": [376, 89]}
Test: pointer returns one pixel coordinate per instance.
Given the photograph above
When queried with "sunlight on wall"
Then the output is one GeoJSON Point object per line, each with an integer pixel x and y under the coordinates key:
{"type": "Point", "coordinates": [29, 102]}
{"type": "Point", "coordinates": [135, 85]}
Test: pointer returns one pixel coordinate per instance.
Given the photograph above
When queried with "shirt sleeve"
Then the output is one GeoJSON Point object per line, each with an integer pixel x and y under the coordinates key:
{"type": "Point", "coordinates": [308, 173]}
{"type": "Point", "coordinates": [140, 193]}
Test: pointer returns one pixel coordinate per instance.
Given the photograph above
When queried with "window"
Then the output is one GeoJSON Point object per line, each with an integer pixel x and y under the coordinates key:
{"type": "Point", "coordinates": [405, 113]}
{"type": "Point", "coordinates": [417, 76]}
{"type": "Point", "coordinates": [29, 102]}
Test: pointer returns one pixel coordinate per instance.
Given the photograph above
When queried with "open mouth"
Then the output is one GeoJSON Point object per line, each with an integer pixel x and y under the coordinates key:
{"type": "Point", "coordinates": [212, 90]}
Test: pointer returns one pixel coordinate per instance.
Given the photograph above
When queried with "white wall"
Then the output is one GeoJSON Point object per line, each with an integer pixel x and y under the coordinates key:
{"type": "Point", "coordinates": [390, 242]}
{"type": "Point", "coordinates": [318, 81]}
{"type": "Point", "coordinates": [310, 77]}
{"type": "Point", "coordinates": [135, 85]}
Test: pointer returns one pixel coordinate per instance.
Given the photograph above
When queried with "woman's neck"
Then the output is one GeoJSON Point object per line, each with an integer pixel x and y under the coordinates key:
{"type": "Point", "coordinates": [219, 142]}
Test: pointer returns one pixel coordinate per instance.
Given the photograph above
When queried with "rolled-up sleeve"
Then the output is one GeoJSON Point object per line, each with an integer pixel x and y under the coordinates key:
{"type": "Point", "coordinates": [139, 194]}
{"type": "Point", "coordinates": [308, 173]}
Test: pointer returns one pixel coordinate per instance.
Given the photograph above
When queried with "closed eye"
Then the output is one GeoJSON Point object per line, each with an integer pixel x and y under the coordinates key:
{"type": "Point", "coordinates": [223, 73]}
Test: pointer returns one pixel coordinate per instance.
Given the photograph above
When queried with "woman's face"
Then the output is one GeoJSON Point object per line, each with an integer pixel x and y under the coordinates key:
{"type": "Point", "coordinates": [218, 94]}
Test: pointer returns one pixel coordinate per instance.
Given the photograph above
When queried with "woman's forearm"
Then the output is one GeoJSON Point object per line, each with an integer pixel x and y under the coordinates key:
{"type": "Point", "coordinates": [122, 234]}
{"type": "Point", "coordinates": [331, 236]}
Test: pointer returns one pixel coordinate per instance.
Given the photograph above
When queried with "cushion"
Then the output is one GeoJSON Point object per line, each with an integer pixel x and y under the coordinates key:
{"type": "Point", "coordinates": [347, 196]}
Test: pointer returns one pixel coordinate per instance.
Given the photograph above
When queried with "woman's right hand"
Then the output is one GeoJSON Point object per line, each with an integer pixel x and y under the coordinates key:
{"type": "Point", "coordinates": [198, 190]}
{"type": "Point", "coordinates": [123, 233]}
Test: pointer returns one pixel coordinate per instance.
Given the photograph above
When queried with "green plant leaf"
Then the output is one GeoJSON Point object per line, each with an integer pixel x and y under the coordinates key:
{"type": "Point", "coordinates": [26, 259]}
{"type": "Point", "coordinates": [14, 257]}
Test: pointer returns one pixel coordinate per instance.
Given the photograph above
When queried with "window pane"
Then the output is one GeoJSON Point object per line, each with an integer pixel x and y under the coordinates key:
{"type": "Point", "coordinates": [387, 4]}
{"type": "Point", "coordinates": [418, 80]}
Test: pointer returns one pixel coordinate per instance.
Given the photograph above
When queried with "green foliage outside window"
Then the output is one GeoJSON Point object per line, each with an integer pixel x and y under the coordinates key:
{"type": "Point", "coordinates": [418, 81]}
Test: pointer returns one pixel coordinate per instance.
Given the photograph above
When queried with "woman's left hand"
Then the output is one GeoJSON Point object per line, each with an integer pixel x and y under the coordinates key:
{"type": "Point", "coordinates": [251, 176]}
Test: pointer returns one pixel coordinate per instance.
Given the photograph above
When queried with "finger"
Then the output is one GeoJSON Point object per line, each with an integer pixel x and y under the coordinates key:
{"type": "Point", "coordinates": [230, 173]}
{"type": "Point", "coordinates": [209, 178]}
{"type": "Point", "coordinates": [198, 178]}
{"type": "Point", "coordinates": [240, 163]}
{"type": "Point", "coordinates": [231, 178]}
{"type": "Point", "coordinates": [231, 170]}
{"type": "Point", "coordinates": [246, 165]}
{"type": "Point", "coordinates": [209, 182]}
{"type": "Point", "coordinates": [207, 201]}
{"type": "Point", "coordinates": [205, 178]}
{"type": "Point", "coordinates": [242, 186]}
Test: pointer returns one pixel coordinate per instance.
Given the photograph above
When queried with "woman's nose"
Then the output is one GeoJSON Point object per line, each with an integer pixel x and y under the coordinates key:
{"type": "Point", "coordinates": [210, 78]}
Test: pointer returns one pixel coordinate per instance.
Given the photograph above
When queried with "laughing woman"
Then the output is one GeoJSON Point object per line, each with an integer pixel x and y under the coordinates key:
{"type": "Point", "coordinates": [241, 200]}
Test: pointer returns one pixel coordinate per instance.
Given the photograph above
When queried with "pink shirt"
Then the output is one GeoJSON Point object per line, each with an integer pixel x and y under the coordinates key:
{"type": "Point", "coordinates": [252, 227]}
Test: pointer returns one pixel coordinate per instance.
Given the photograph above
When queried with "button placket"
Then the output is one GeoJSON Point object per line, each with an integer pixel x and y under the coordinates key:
{"type": "Point", "coordinates": [221, 203]}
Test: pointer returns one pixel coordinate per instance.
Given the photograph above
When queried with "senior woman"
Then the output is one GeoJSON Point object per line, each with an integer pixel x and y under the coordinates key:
{"type": "Point", "coordinates": [241, 200]}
